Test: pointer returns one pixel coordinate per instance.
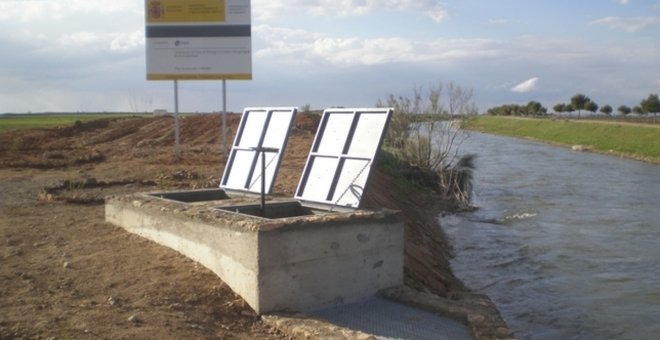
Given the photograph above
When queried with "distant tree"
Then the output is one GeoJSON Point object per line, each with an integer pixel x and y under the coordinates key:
{"type": "Point", "coordinates": [535, 108]}
{"type": "Point", "coordinates": [606, 109]}
{"type": "Point", "coordinates": [532, 108]}
{"type": "Point", "coordinates": [651, 105]}
{"type": "Point", "coordinates": [498, 111]}
{"type": "Point", "coordinates": [591, 106]}
{"type": "Point", "coordinates": [559, 108]}
{"type": "Point", "coordinates": [506, 110]}
{"type": "Point", "coordinates": [578, 102]}
{"type": "Point", "coordinates": [517, 110]}
{"type": "Point", "coordinates": [569, 108]}
{"type": "Point", "coordinates": [624, 110]}
{"type": "Point", "coordinates": [638, 110]}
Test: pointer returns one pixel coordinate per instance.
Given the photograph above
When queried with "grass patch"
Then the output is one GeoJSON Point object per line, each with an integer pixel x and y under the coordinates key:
{"type": "Point", "coordinates": [31, 121]}
{"type": "Point", "coordinates": [637, 141]}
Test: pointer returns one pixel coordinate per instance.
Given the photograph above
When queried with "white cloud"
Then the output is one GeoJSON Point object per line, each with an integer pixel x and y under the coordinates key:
{"type": "Point", "coordinates": [526, 86]}
{"type": "Point", "coordinates": [79, 39]}
{"type": "Point", "coordinates": [299, 46]}
{"type": "Point", "coordinates": [624, 2]}
{"type": "Point", "coordinates": [123, 42]}
{"type": "Point", "coordinates": [627, 24]}
{"type": "Point", "coordinates": [88, 42]}
{"type": "Point", "coordinates": [269, 9]}
{"type": "Point", "coordinates": [64, 37]}
{"type": "Point", "coordinates": [295, 47]}
{"type": "Point", "coordinates": [365, 52]}
{"type": "Point", "coordinates": [355, 51]}
{"type": "Point", "coordinates": [30, 10]}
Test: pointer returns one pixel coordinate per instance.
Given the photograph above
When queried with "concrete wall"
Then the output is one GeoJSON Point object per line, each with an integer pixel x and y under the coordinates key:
{"type": "Point", "coordinates": [292, 264]}
{"type": "Point", "coordinates": [230, 254]}
{"type": "Point", "coordinates": [327, 264]}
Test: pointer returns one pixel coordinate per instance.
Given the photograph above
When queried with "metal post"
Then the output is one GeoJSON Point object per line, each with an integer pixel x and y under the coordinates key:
{"type": "Point", "coordinates": [263, 183]}
{"type": "Point", "coordinates": [177, 135]}
{"type": "Point", "coordinates": [224, 118]}
{"type": "Point", "coordinates": [263, 150]}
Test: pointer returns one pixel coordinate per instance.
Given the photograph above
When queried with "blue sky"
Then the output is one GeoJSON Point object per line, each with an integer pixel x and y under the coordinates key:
{"type": "Point", "coordinates": [89, 55]}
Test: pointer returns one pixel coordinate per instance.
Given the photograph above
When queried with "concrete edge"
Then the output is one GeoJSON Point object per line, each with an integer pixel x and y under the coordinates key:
{"type": "Point", "coordinates": [303, 327]}
{"type": "Point", "coordinates": [240, 222]}
{"type": "Point", "coordinates": [476, 311]}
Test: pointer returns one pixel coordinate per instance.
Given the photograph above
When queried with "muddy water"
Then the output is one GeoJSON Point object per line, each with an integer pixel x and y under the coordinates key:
{"type": "Point", "coordinates": [567, 244]}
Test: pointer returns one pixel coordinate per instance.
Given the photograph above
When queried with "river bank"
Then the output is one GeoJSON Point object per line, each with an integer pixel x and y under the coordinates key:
{"type": "Point", "coordinates": [67, 273]}
{"type": "Point", "coordinates": [628, 140]}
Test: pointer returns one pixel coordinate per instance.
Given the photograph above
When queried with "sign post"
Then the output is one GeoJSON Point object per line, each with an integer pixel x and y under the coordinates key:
{"type": "Point", "coordinates": [177, 124]}
{"type": "Point", "coordinates": [224, 119]}
{"type": "Point", "coordinates": [199, 40]}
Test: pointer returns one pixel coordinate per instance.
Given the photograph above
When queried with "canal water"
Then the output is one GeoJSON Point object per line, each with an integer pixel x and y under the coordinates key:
{"type": "Point", "coordinates": [566, 243]}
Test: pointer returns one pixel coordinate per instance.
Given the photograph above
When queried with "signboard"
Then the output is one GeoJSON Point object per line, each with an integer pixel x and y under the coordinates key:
{"type": "Point", "coordinates": [198, 39]}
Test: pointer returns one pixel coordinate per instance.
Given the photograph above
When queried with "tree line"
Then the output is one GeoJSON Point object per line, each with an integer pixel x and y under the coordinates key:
{"type": "Point", "coordinates": [579, 103]}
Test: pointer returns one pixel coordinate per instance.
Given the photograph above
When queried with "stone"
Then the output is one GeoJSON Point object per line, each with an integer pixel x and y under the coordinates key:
{"type": "Point", "coordinates": [134, 319]}
{"type": "Point", "coordinates": [246, 312]}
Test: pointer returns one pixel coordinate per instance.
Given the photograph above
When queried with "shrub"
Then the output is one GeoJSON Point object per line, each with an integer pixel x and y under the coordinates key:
{"type": "Point", "coordinates": [427, 138]}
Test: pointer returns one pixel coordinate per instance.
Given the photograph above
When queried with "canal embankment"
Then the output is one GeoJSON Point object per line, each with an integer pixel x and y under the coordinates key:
{"type": "Point", "coordinates": [623, 139]}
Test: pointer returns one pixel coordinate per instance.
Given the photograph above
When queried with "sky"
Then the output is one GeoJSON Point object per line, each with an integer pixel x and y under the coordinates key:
{"type": "Point", "coordinates": [89, 55]}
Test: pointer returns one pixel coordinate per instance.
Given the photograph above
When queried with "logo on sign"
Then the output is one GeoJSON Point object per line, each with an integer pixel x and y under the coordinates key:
{"type": "Point", "coordinates": [155, 10]}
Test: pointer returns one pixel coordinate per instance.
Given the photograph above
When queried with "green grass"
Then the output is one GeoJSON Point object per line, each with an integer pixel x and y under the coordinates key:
{"type": "Point", "coordinates": [30, 121]}
{"type": "Point", "coordinates": [640, 141]}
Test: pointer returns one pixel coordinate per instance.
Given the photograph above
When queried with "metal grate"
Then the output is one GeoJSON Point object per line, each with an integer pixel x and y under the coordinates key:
{"type": "Point", "coordinates": [387, 319]}
{"type": "Point", "coordinates": [260, 129]}
{"type": "Point", "coordinates": [338, 166]}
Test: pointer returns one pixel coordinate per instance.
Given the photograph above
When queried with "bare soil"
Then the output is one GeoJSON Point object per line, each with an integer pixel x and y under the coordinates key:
{"type": "Point", "coordinates": [66, 273]}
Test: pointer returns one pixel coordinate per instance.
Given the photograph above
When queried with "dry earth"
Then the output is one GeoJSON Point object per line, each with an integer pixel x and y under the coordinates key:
{"type": "Point", "coordinates": [66, 273]}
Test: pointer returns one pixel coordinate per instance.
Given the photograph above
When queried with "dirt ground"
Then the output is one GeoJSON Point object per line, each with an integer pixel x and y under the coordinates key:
{"type": "Point", "coordinates": [66, 273]}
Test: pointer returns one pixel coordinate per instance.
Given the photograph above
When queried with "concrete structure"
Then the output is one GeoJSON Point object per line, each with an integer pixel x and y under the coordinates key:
{"type": "Point", "coordinates": [284, 255]}
{"type": "Point", "coordinates": [294, 259]}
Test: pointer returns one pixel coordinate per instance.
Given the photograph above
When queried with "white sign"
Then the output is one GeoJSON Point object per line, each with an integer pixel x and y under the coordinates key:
{"type": "Point", "coordinates": [198, 39]}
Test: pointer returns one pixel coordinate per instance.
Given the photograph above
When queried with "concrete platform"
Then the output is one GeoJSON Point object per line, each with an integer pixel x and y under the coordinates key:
{"type": "Point", "coordinates": [387, 319]}
{"type": "Point", "coordinates": [298, 259]}
{"type": "Point", "coordinates": [399, 313]}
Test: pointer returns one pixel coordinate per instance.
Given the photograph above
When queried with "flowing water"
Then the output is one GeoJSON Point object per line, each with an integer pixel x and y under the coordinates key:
{"type": "Point", "coordinates": [567, 244]}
